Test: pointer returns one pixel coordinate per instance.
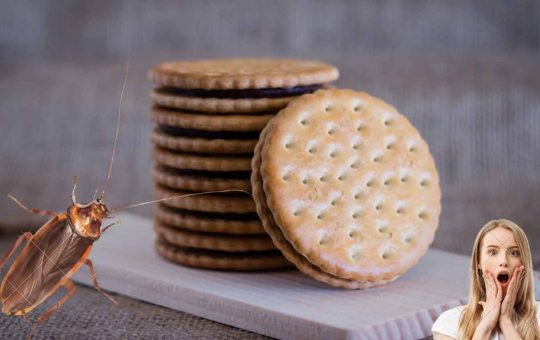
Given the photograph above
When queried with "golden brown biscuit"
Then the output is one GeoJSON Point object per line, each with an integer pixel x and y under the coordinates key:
{"type": "Point", "coordinates": [169, 178]}
{"type": "Point", "coordinates": [220, 260]}
{"type": "Point", "coordinates": [227, 223]}
{"type": "Point", "coordinates": [351, 185]}
{"type": "Point", "coordinates": [238, 203]}
{"type": "Point", "coordinates": [202, 145]}
{"type": "Point", "coordinates": [242, 73]}
{"type": "Point", "coordinates": [213, 241]}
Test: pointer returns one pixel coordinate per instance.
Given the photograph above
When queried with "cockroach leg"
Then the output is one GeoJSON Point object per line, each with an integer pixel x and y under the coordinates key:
{"type": "Point", "coordinates": [32, 210]}
{"type": "Point", "coordinates": [90, 265]}
{"type": "Point", "coordinates": [70, 293]}
{"type": "Point", "coordinates": [107, 227]}
{"type": "Point", "coordinates": [24, 237]}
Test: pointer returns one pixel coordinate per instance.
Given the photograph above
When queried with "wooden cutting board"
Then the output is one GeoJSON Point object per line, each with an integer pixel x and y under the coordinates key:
{"type": "Point", "coordinates": [282, 304]}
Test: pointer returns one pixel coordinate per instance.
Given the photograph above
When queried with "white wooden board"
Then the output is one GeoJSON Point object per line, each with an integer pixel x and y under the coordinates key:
{"type": "Point", "coordinates": [283, 304]}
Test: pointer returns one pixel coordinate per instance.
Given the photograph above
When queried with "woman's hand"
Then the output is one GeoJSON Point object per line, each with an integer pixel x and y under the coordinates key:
{"type": "Point", "coordinates": [507, 307]}
{"type": "Point", "coordinates": [491, 307]}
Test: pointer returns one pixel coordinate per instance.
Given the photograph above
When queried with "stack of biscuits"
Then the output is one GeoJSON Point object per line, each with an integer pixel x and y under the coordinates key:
{"type": "Point", "coordinates": [208, 116]}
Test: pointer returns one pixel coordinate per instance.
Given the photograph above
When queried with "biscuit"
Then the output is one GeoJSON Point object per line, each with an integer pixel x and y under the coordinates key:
{"type": "Point", "coordinates": [202, 145]}
{"type": "Point", "coordinates": [350, 184]}
{"type": "Point", "coordinates": [181, 160]}
{"type": "Point", "coordinates": [213, 241]}
{"type": "Point", "coordinates": [228, 74]}
{"type": "Point", "coordinates": [209, 122]}
{"type": "Point", "coordinates": [218, 105]}
{"type": "Point", "coordinates": [221, 260]}
{"type": "Point", "coordinates": [228, 223]}
{"type": "Point", "coordinates": [170, 178]}
{"type": "Point", "coordinates": [220, 202]}
{"type": "Point", "coordinates": [284, 246]}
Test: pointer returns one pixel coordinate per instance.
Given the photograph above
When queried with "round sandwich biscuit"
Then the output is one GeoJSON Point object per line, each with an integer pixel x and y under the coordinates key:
{"type": "Point", "coordinates": [221, 260]}
{"type": "Point", "coordinates": [171, 178]}
{"type": "Point", "coordinates": [212, 145]}
{"type": "Point", "coordinates": [238, 203]}
{"type": "Point", "coordinates": [167, 98]}
{"type": "Point", "coordinates": [228, 223]}
{"type": "Point", "coordinates": [350, 184]}
{"type": "Point", "coordinates": [285, 247]}
{"type": "Point", "coordinates": [207, 122]}
{"type": "Point", "coordinates": [213, 241]}
{"type": "Point", "coordinates": [180, 160]}
{"type": "Point", "coordinates": [236, 74]}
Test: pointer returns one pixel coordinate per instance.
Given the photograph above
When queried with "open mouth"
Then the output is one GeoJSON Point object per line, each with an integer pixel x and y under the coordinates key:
{"type": "Point", "coordinates": [503, 278]}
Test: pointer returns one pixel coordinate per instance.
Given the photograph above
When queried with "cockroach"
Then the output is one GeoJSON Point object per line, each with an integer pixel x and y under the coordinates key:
{"type": "Point", "coordinates": [59, 248]}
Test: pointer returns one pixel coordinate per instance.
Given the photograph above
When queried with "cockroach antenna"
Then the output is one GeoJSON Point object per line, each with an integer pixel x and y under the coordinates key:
{"type": "Point", "coordinates": [118, 209]}
{"type": "Point", "coordinates": [119, 115]}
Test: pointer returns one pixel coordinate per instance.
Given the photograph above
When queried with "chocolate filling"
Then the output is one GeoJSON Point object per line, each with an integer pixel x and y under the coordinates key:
{"type": "Point", "coordinates": [241, 94]}
{"type": "Point", "coordinates": [220, 253]}
{"type": "Point", "coordinates": [206, 173]}
{"type": "Point", "coordinates": [205, 214]}
{"type": "Point", "coordinates": [193, 133]}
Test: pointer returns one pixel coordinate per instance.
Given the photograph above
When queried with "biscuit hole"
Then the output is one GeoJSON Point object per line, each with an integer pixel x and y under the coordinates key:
{"type": "Point", "coordinates": [387, 182]}
{"type": "Point", "coordinates": [356, 256]}
{"type": "Point", "coordinates": [320, 216]}
{"type": "Point", "coordinates": [423, 215]}
{"type": "Point", "coordinates": [312, 149]}
{"type": "Point", "coordinates": [409, 239]}
{"type": "Point", "coordinates": [356, 146]}
{"type": "Point", "coordinates": [304, 122]}
{"type": "Point", "coordinates": [369, 183]}
{"type": "Point", "coordinates": [376, 159]}
{"type": "Point", "coordinates": [390, 146]}
{"type": "Point", "coordinates": [288, 145]}
{"type": "Point", "coordinates": [305, 181]}
{"type": "Point", "coordinates": [323, 240]}
{"type": "Point", "coordinates": [404, 179]}
{"type": "Point", "coordinates": [354, 165]}
{"type": "Point", "coordinates": [388, 122]}
{"type": "Point", "coordinates": [386, 255]}
{"type": "Point", "coordinates": [333, 154]}
{"type": "Point", "coordinates": [382, 229]}
{"type": "Point", "coordinates": [323, 178]}
{"type": "Point", "coordinates": [327, 109]}
{"type": "Point", "coordinates": [334, 202]}
{"type": "Point", "coordinates": [286, 177]}
{"type": "Point", "coordinates": [400, 211]}
{"type": "Point", "coordinates": [342, 177]}
{"type": "Point", "coordinates": [356, 215]}
{"type": "Point", "coordinates": [424, 182]}
{"type": "Point", "coordinates": [296, 213]}
{"type": "Point", "coordinates": [360, 127]}
{"type": "Point", "coordinates": [378, 206]}
{"type": "Point", "coordinates": [331, 131]}
{"type": "Point", "coordinates": [357, 195]}
{"type": "Point", "coordinates": [412, 148]}
{"type": "Point", "coordinates": [356, 108]}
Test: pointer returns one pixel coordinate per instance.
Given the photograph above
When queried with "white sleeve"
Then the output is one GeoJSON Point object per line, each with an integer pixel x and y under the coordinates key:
{"type": "Point", "coordinates": [448, 323]}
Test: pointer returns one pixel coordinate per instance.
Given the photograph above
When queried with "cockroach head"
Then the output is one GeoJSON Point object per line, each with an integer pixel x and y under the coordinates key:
{"type": "Point", "coordinates": [99, 208]}
{"type": "Point", "coordinates": [87, 218]}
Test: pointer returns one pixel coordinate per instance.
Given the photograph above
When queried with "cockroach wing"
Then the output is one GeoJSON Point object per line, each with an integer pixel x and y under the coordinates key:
{"type": "Point", "coordinates": [52, 256]}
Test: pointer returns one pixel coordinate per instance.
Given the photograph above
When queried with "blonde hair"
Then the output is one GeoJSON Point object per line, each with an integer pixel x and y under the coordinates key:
{"type": "Point", "coordinates": [525, 305]}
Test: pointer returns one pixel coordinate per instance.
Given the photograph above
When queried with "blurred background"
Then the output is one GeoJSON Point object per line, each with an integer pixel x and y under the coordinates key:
{"type": "Point", "coordinates": [466, 73]}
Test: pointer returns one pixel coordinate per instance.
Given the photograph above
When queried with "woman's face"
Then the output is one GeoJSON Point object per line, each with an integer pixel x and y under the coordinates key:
{"type": "Point", "coordinates": [499, 254]}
